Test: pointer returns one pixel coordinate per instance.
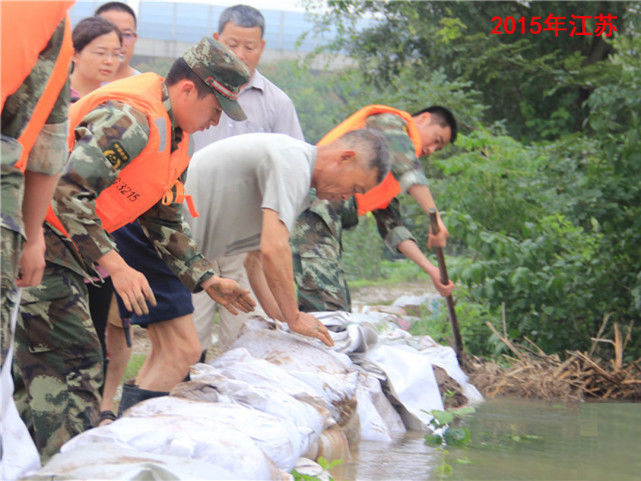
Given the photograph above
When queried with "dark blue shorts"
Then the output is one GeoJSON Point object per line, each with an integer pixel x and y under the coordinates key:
{"type": "Point", "coordinates": [172, 296]}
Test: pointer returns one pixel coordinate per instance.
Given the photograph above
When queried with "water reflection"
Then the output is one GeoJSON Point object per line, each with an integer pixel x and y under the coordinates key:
{"type": "Point", "coordinates": [518, 440]}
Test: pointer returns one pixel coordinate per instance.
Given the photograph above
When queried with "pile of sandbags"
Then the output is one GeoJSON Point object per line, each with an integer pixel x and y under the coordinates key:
{"type": "Point", "coordinates": [272, 399]}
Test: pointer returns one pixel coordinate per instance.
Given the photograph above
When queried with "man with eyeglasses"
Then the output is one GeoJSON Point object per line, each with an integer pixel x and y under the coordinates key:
{"type": "Point", "coordinates": [123, 17]}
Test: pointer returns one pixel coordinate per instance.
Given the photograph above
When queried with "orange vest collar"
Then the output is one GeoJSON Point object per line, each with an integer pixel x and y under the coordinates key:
{"type": "Point", "coordinates": [381, 195]}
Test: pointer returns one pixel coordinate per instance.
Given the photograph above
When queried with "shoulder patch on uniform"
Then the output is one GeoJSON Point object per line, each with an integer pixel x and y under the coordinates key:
{"type": "Point", "coordinates": [116, 154]}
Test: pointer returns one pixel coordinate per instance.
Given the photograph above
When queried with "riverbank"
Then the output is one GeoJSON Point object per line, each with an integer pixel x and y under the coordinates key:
{"type": "Point", "coordinates": [527, 372]}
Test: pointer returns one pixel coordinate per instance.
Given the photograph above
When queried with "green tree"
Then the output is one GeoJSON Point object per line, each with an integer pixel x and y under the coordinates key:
{"type": "Point", "coordinates": [536, 82]}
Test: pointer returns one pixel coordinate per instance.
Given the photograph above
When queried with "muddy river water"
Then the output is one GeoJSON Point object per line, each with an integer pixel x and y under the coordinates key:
{"type": "Point", "coordinates": [517, 440]}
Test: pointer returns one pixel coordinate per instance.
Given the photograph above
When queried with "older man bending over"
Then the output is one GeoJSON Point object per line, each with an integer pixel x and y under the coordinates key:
{"type": "Point", "coordinates": [249, 191]}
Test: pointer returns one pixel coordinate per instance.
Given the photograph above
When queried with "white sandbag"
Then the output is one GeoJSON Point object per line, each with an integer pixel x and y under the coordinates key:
{"type": "Point", "coordinates": [241, 365]}
{"type": "Point", "coordinates": [279, 438]}
{"type": "Point", "coordinates": [269, 399]}
{"type": "Point", "coordinates": [18, 455]}
{"type": "Point", "coordinates": [109, 461]}
{"type": "Point", "coordinates": [187, 437]}
{"type": "Point", "coordinates": [379, 420]}
{"type": "Point", "coordinates": [332, 444]}
{"type": "Point", "coordinates": [412, 381]}
{"type": "Point", "coordinates": [330, 374]}
{"type": "Point", "coordinates": [393, 337]}
{"type": "Point", "coordinates": [445, 357]}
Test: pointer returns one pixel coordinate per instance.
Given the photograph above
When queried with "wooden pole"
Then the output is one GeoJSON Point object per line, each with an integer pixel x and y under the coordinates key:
{"type": "Point", "coordinates": [458, 341]}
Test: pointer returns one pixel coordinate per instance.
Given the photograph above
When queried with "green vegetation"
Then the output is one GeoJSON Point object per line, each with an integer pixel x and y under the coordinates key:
{"type": "Point", "coordinates": [446, 434]}
{"type": "Point", "coordinates": [134, 365]}
{"type": "Point", "coordinates": [323, 463]}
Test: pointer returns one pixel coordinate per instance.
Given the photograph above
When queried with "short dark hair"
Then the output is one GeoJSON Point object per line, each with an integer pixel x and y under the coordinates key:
{"type": "Point", "coordinates": [181, 71]}
{"type": "Point", "coordinates": [444, 117]}
{"type": "Point", "coordinates": [118, 6]}
{"type": "Point", "coordinates": [373, 144]}
{"type": "Point", "coordinates": [243, 16]}
{"type": "Point", "coordinates": [89, 29]}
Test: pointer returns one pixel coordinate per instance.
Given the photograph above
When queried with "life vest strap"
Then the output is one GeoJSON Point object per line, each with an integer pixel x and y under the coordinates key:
{"type": "Point", "coordinates": [48, 98]}
{"type": "Point", "coordinates": [179, 197]}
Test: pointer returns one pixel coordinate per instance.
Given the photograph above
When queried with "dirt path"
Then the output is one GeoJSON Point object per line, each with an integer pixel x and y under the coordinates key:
{"type": "Point", "coordinates": [385, 295]}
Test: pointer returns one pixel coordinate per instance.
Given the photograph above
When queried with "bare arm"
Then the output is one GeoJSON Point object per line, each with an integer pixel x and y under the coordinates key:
{"type": "Point", "coordinates": [256, 276]}
{"type": "Point", "coordinates": [423, 197]}
{"type": "Point", "coordinates": [279, 274]}
{"type": "Point", "coordinates": [412, 252]}
{"type": "Point", "coordinates": [38, 191]}
{"type": "Point", "coordinates": [229, 294]}
{"type": "Point", "coordinates": [130, 284]}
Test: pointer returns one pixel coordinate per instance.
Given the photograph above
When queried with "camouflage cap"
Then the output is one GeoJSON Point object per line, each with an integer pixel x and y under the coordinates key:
{"type": "Point", "coordinates": [222, 70]}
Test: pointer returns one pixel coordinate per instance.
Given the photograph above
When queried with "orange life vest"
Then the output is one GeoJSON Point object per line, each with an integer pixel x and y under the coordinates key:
{"type": "Point", "coordinates": [150, 176]}
{"type": "Point", "coordinates": [26, 30]}
{"type": "Point", "coordinates": [380, 196]}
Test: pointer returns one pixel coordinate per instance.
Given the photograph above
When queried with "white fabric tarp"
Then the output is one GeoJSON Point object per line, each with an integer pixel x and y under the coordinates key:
{"type": "Point", "coordinates": [18, 454]}
{"type": "Point", "coordinates": [191, 437]}
{"type": "Point", "coordinates": [199, 429]}
{"type": "Point", "coordinates": [108, 460]}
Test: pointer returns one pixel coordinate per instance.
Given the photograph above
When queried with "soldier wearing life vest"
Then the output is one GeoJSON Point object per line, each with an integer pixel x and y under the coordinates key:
{"type": "Point", "coordinates": [35, 64]}
{"type": "Point", "coordinates": [36, 52]}
{"type": "Point", "coordinates": [316, 240]}
{"type": "Point", "coordinates": [129, 148]}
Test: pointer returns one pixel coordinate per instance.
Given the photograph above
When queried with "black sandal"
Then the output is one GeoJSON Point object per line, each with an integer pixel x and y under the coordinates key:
{"type": "Point", "coordinates": [106, 416]}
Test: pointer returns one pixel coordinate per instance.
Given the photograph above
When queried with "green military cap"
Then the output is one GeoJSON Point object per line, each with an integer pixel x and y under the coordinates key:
{"type": "Point", "coordinates": [222, 70]}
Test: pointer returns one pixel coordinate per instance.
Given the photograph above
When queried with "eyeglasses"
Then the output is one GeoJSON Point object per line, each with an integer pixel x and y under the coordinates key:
{"type": "Point", "coordinates": [103, 55]}
{"type": "Point", "coordinates": [129, 35]}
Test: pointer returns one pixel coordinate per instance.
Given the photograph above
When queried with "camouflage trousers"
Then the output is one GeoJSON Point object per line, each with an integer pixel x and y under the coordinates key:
{"type": "Point", "coordinates": [316, 248]}
{"type": "Point", "coordinates": [10, 247]}
{"type": "Point", "coordinates": [58, 360]}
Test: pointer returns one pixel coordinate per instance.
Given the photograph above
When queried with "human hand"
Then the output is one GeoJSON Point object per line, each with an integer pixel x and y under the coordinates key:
{"type": "Point", "coordinates": [443, 289]}
{"type": "Point", "coordinates": [32, 262]}
{"type": "Point", "coordinates": [229, 294]}
{"type": "Point", "coordinates": [439, 239]}
{"type": "Point", "coordinates": [133, 289]}
{"type": "Point", "coordinates": [308, 325]}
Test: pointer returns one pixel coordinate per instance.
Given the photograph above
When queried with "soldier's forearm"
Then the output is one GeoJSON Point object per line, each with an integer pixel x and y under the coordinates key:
{"type": "Point", "coordinates": [423, 197]}
{"type": "Point", "coordinates": [410, 249]}
{"type": "Point", "coordinates": [37, 197]}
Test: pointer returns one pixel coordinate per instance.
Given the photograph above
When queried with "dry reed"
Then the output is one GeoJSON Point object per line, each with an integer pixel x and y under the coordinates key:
{"type": "Point", "coordinates": [531, 373]}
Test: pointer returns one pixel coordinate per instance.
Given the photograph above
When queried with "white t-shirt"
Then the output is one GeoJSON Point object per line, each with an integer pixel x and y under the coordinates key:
{"type": "Point", "coordinates": [234, 179]}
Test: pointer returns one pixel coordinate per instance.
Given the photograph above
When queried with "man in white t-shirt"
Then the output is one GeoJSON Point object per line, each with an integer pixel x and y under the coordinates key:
{"type": "Point", "coordinates": [249, 191]}
{"type": "Point", "coordinates": [268, 109]}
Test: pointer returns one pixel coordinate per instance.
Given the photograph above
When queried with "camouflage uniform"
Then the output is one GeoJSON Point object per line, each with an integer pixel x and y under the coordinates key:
{"type": "Point", "coordinates": [317, 242]}
{"type": "Point", "coordinates": [57, 347]}
{"type": "Point", "coordinates": [47, 156]}
{"type": "Point", "coordinates": [316, 239]}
